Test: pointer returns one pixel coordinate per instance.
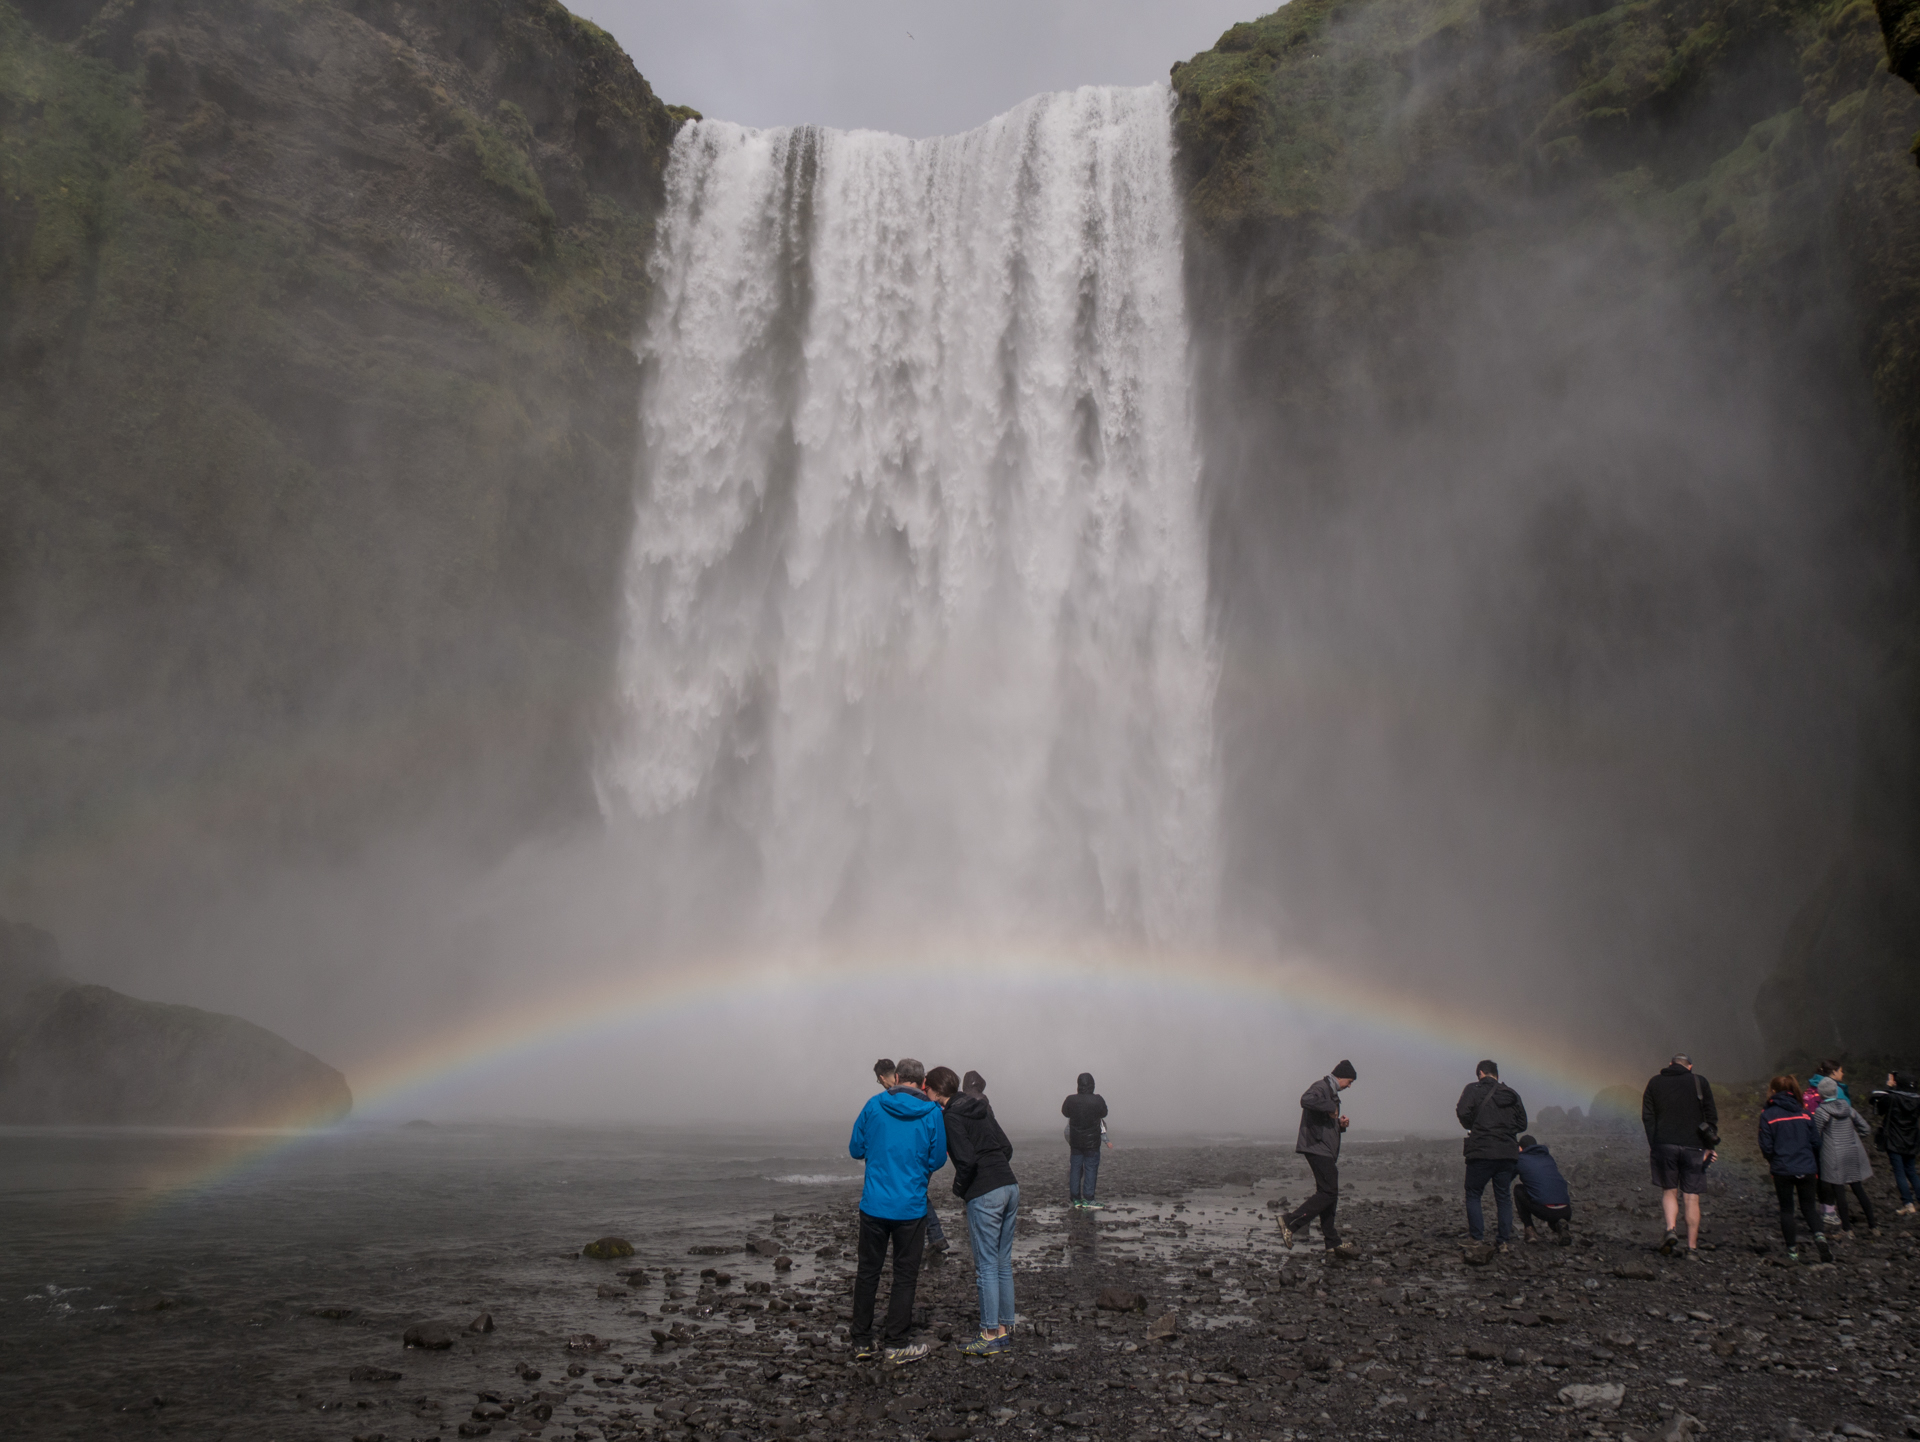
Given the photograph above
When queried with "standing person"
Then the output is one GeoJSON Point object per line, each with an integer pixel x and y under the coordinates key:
{"type": "Point", "coordinates": [1084, 1111]}
{"type": "Point", "coordinates": [1683, 1131]}
{"type": "Point", "coordinates": [1494, 1117]}
{"type": "Point", "coordinates": [1844, 1166]}
{"type": "Point", "coordinates": [1790, 1143]}
{"type": "Point", "coordinates": [1321, 1126]}
{"type": "Point", "coordinates": [899, 1136]}
{"type": "Point", "coordinates": [1898, 1107]}
{"type": "Point", "coordinates": [982, 1178]}
{"type": "Point", "coordinates": [1540, 1192]}
{"type": "Point", "coordinates": [884, 1073]}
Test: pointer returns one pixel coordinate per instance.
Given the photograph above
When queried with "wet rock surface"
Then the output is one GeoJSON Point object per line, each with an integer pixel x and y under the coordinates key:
{"type": "Point", "coordinates": [1232, 1336]}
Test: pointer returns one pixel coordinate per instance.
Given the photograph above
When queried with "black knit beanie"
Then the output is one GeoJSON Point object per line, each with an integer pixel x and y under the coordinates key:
{"type": "Point", "coordinates": [1345, 1071]}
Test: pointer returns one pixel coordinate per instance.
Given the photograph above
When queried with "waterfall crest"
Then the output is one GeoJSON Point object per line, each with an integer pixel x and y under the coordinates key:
{"type": "Point", "coordinates": [915, 620]}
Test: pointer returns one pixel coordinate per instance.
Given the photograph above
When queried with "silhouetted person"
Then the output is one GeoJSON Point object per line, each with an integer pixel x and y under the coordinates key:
{"type": "Point", "coordinates": [1897, 1104]}
{"type": "Point", "coordinates": [1494, 1117]}
{"type": "Point", "coordinates": [1321, 1127]}
{"type": "Point", "coordinates": [1085, 1111]}
{"type": "Point", "coordinates": [1683, 1129]}
{"type": "Point", "coordinates": [1790, 1142]}
{"type": "Point", "coordinates": [1540, 1193]}
{"type": "Point", "coordinates": [900, 1137]}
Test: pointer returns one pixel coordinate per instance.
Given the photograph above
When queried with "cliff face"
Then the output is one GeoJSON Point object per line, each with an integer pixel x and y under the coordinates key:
{"type": "Point", "coordinates": [1563, 411]}
{"type": "Point", "coordinates": [316, 418]}
{"type": "Point", "coordinates": [78, 1055]}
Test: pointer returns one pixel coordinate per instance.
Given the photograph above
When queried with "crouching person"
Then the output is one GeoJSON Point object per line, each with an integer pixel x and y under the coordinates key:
{"type": "Point", "coordinates": [1540, 1193]}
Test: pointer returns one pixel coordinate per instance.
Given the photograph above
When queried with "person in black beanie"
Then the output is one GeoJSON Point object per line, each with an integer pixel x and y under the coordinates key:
{"type": "Point", "coordinates": [1321, 1126]}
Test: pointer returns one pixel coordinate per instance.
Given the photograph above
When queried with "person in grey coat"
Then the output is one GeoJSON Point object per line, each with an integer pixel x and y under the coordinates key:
{"type": "Point", "coordinates": [1844, 1164]}
{"type": "Point", "coordinates": [1321, 1125]}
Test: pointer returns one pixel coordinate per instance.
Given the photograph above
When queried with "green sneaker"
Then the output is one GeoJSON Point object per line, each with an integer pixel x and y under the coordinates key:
{"type": "Point", "coordinates": [1094, 1206]}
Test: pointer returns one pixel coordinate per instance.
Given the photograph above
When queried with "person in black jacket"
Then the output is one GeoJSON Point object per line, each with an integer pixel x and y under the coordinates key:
{"type": "Point", "coordinates": [983, 1178]}
{"type": "Point", "coordinates": [1683, 1129]}
{"type": "Point", "coordinates": [1084, 1111]}
{"type": "Point", "coordinates": [1321, 1126]}
{"type": "Point", "coordinates": [1494, 1117]}
{"type": "Point", "coordinates": [1898, 1107]}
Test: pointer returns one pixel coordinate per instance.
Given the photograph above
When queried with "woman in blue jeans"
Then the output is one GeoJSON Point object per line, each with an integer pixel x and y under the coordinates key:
{"type": "Point", "coordinates": [1898, 1104]}
{"type": "Point", "coordinates": [983, 1178]}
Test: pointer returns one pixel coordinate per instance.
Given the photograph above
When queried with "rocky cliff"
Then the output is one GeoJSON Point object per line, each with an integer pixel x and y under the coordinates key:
{"type": "Point", "coordinates": [73, 1054]}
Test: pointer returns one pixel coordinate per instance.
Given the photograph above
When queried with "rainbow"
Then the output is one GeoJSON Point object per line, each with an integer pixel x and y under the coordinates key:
{"type": "Point", "coordinates": [686, 998]}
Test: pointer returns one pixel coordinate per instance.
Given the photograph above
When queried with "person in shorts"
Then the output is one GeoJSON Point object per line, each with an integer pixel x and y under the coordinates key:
{"type": "Point", "coordinates": [1683, 1130]}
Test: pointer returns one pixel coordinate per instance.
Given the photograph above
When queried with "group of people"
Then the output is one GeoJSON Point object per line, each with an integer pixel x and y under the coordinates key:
{"type": "Point", "coordinates": [1815, 1143]}
{"type": "Point", "coordinates": [918, 1122]}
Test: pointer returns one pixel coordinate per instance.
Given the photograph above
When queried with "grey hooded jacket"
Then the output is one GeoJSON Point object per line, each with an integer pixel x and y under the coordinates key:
{"type": "Point", "coordinates": [1319, 1120]}
{"type": "Point", "coordinates": [1843, 1158]}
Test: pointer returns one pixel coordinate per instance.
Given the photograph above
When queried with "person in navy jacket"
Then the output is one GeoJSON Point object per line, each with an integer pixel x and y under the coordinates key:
{"type": "Point", "coordinates": [1789, 1140]}
{"type": "Point", "coordinates": [1540, 1193]}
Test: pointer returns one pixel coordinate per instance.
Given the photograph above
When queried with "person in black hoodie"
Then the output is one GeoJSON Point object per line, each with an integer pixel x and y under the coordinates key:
{"type": "Point", "coordinates": [1494, 1117]}
{"type": "Point", "coordinates": [1683, 1128]}
{"type": "Point", "coordinates": [983, 1178]}
{"type": "Point", "coordinates": [1898, 1106]}
{"type": "Point", "coordinates": [1084, 1111]}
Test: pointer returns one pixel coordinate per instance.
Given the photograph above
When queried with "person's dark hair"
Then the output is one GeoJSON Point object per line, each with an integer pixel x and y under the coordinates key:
{"type": "Point", "coordinates": [1487, 1068]}
{"type": "Point", "coordinates": [1343, 1071]}
{"type": "Point", "coordinates": [1828, 1068]}
{"type": "Point", "coordinates": [973, 1084]}
{"type": "Point", "coordinates": [1786, 1082]}
{"type": "Point", "coordinates": [1529, 1140]}
{"type": "Point", "coordinates": [911, 1072]}
{"type": "Point", "coordinates": [883, 1067]}
{"type": "Point", "coordinates": [942, 1081]}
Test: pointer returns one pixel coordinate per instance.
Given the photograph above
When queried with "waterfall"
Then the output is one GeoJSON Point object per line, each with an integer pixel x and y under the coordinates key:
{"type": "Point", "coordinates": [915, 613]}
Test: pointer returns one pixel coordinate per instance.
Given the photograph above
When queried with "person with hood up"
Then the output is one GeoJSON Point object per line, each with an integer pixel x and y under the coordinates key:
{"type": "Point", "coordinates": [1494, 1117]}
{"type": "Point", "coordinates": [1084, 1111]}
{"type": "Point", "coordinates": [1540, 1192]}
{"type": "Point", "coordinates": [898, 1134]}
{"type": "Point", "coordinates": [1683, 1129]}
{"type": "Point", "coordinates": [1844, 1165]}
{"type": "Point", "coordinates": [982, 1178]}
{"type": "Point", "coordinates": [884, 1073]}
{"type": "Point", "coordinates": [1321, 1126]}
{"type": "Point", "coordinates": [1791, 1144]}
{"type": "Point", "coordinates": [1810, 1099]}
{"type": "Point", "coordinates": [1898, 1106]}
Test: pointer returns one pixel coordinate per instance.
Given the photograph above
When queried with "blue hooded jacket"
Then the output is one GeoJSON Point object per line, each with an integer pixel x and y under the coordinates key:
{"type": "Point", "coordinates": [1788, 1137]}
{"type": "Point", "coordinates": [1541, 1174]}
{"type": "Point", "coordinates": [901, 1138]}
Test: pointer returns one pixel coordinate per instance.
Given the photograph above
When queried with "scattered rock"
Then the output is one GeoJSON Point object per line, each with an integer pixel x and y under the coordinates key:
{"type": "Point", "coordinates": [954, 1432]}
{"type": "Point", "coordinates": [608, 1294]}
{"type": "Point", "coordinates": [1477, 1255]}
{"type": "Point", "coordinates": [1482, 1352]}
{"type": "Point", "coordinates": [1594, 1396]}
{"type": "Point", "coordinates": [1165, 1327]}
{"type": "Point", "coordinates": [373, 1374]}
{"type": "Point", "coordinates": [705, 1249]}
{"type": "Point", "coordinates": [331, 1314]}
{"type": "Point", "coordinates": [1635, 1272]}
{"type": "Point", "coordinates": [763, 1247]}
{"type": "Point", "coordinates": [606, 1249]}
{"type": "Point", "coordinates": [1115, 1299]}
{"type": "Point", "coordinates": [431, 1339]}
{"type": "Point", "coordinates": [783, 1264]}
{"type": "Point", "coordinates": [481, 1323]}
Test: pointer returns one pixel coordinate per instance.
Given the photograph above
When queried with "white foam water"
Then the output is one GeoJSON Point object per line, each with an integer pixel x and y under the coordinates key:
{"type": "Point", "coordinates": [915, 614]}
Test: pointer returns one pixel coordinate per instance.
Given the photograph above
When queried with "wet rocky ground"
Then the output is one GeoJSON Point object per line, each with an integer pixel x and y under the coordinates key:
{"type": "Point", "coordinates": [1228, 1335]}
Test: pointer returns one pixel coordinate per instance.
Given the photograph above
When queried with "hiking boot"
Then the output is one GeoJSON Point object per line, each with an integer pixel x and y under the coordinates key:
{"type": "Point", "coordinates": [1346, 1251]}
{"type": "Point", "coordinates": [1793, 1254]}
{"type": "Point", "coordinates": [865, 1349]}
{"type": "Point", "coordinates": [1826, 1248]}
{"type": "Point", "coordinates": [1094, 1206]}
{"type": "Point", "coordinates": [1669, 1242]}
{"type": "Point", "coordinates": [1502, 1249]}
{"type": "Point", "coordinates": [1565, 1238]}
{"type": "Point", "coordinates": [1527, 1236]}
{"type": "Point", "coordinates": [1873, 1232]}
{"type": "Point", "coordinates": [939, 1246]}
{"type": "Point", "coordinates": [984, 1346]}
{"type": "Point", "coordinates": [1694, 1254]}
{"type": "Point", "coordinates": [912, 1352]}
{"type": "Point", "coordinates": [1286, 1234]}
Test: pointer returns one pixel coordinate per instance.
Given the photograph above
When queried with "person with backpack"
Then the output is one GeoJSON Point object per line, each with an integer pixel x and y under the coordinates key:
{"type": "Point", "coordinates": [1683, 1131]}
{"type": "Point", "coordinates": [1898, 1106]}
{"type": "Point", "coordinates": [1790, 1142]}
{"type": "Point", "coordinates": [1086, 1115]}
{"type": "Point", "coordinates": [1494, 1117]}
{"type": "Point", "coordinates": [982, 1178]}
{"type": "Point", "coordinates": [1844, 1165]}
{"type": "Point", "coordinates": [1540, 1192]}
{"type": "Point", "coordinates": [1321, 1126]}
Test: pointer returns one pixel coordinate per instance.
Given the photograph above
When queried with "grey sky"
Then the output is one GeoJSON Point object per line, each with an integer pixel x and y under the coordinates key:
{"type": "Point", "coordinates": [916, 67]}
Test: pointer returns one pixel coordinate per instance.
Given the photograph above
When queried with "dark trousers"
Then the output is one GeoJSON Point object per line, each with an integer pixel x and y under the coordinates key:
{"type": "Point", "coordinates": [1837, 1195]}
{"type": "Point", "coordinates": [908, 1240]}
{"type": "Point", "coordinates": [1905, 1176]}
{"type": "Point", "coordinates": [1529, 1211]}
{"type": "Point", "coordinates": [1083, 1174]}
{"type": "Point", "coordinates": [1806, 1190]}
{"type": "Point", "coordinates": [1325, 1198]}
{"type": "Point", "coordinates": [1501, 1172]}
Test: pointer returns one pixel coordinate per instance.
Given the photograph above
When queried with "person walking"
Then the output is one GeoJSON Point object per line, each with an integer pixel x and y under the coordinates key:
{"type": "Point", "coordinates": [1810, 1098]}
{"type": "Point", "coordinates": [1683, 1131]}
{"type": "Point", "coordinates": [899, 1135]}
{"type": "Point", "coordinates": [1085, 1111]}
{"type": "Point", "coordinates": [1322, 1124]}
{"type": "Point", "coordinates": [1790, 1143]}
{"type": "Point", "coordinates": [1844, 1164]}
{"type": "Point", "coordinates": [1494, 1117]}
{"type": "Point", "coordinates": [1898, 1106]}
{"type": "Point", "coordinates": [1540, 1193]}
{"type": "Point", "coordinates": [888, 1077]}
{"type": "Point", "coordinates": [982, 1178]}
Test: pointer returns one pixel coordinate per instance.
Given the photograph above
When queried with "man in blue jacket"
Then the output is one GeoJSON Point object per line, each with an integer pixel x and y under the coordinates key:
{"type": "Point", "coordinates": [1540, 1193]}
{"type": "Point", "coordinates": [901, 1138]}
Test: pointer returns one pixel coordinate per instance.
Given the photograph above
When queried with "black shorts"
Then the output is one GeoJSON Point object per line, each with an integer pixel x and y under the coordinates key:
{"type": "Point", "coordinates": [1684, 1168]}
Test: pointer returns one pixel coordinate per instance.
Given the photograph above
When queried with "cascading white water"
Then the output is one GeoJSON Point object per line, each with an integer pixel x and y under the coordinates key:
{"type": "Point", "coordinates": [916, 605]}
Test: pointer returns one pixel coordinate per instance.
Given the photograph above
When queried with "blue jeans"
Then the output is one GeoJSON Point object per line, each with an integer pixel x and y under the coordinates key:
{"type": "Point", "coordinates": [1082, 1172]}
{"type": "Point", "coordinates": [1501, 1172]}
{"type": "Point", "coordinates": [990, 1219]}
{"type": "Point", "coordinates": [1905, 1176]}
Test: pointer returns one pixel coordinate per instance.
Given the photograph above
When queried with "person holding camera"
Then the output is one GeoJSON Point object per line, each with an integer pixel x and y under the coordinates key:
{"type": "Point", "coordinates": [1683, 1135]}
